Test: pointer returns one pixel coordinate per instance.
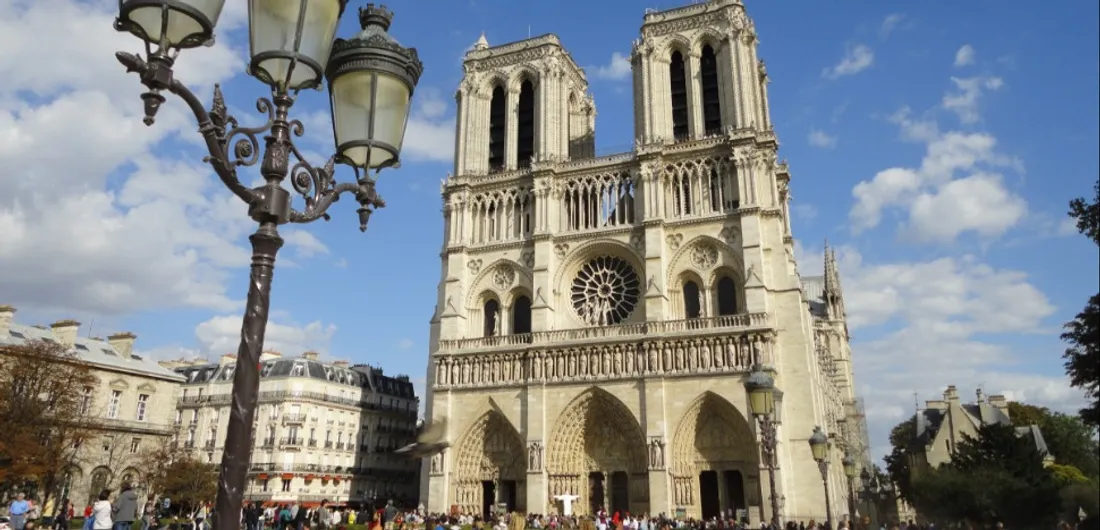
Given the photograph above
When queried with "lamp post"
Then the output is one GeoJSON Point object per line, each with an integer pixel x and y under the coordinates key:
{"type": "Point", "coordinates": [819, 446]}
{"type": "Point", "coordinates": [371, 81]}
{"type": "Point", "coordinates": [850, 471]}
{"type": "Point", "coordinates": [760, 386]}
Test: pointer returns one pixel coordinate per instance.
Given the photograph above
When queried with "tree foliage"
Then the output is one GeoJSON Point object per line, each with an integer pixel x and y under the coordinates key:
{"type": "Point", "coordinates": [187, 481]}
{"type": "Point", "coordinates": [1069, 439]}
{"type": "Point", "coordinates": [897, 462]}
{"type": "Point", "coordinates": [1083, 332]}
{"type": "Point", "coordinates": [43, 413]}
{"type": "Point", "coordinates": [995, 476]}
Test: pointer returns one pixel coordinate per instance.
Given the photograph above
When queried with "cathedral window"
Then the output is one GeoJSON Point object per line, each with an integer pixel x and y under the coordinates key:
{"type": "Point", "coordinates": [693, 300]}
{"type": "Point", "coordinates": [491, 313]}
{"type": "Point", "coordinates": [677, 74]}
{"type": "Point", "coordinates": [521, 315]}
{"type": "Point", "coordinates": [599, 201]}
{"type": "Point", "coordinates": [498, 113]}
{"type": "Point", "coordinates": [708, 77]}
{"type": "Point", "coordinates": [525, 120]}
{"type": "Point", "coordinates": [727, 296]}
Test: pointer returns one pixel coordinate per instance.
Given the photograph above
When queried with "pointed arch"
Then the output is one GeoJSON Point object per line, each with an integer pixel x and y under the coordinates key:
{"type": "Point", "coordinates": [713, 438]}
{"type": "Point", "coordinates": [727, 260]}
{"type": "Point", "coordinates": [490, 451]}
{"type": "Point", "coordinates": [598, 441]}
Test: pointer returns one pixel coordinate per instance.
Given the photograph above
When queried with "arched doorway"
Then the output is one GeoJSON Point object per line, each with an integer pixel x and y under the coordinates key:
{"type": "Point", "coordinates": [597, 453]}
{"type": "Point", "coordinates": [714, 455]}
{"type": "Point", "coordinates": [489, 466]}
{"type": "Point", "coordinates": [100, 477]}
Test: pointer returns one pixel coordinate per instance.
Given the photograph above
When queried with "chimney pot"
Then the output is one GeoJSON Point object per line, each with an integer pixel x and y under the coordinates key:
{"type": "Point", "coordinates": [270, 354]}
{"type": "Point", "coordinates": [65, 332]}
{"type": "Point", "coordinates": [342, 364]}
{"type": "Point", "coordinates": [981, 396]}
{"type": "Point", "coordinates": [310, 355]}
{"type": "Point", "coordinates": [7, 315]}
{"type": "Point", "coordinates": [123, 343]}
{"type": "Point", "coordinates": [228, 358]}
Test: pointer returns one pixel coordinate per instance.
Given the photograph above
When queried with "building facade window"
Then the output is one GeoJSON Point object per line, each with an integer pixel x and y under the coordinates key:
{"type": "Point", "coordinates": [135, 444]}
{"type": "Point", "coordinates": [114, 404]}
{"type": "Point", "coordinates": [142, 404]}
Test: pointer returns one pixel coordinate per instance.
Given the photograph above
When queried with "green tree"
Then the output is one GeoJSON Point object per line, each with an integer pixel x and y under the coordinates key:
{"type": "Point", "coordinates": [994, 476]}
{"type": "Point", "coordinates": [897, 462]}
{"type": "Point", "coordinates": [188, 481]}
{"type": "Point", "coordinates": [1083, 332]}
{"type": "Point", "coordinates": [1069, 439]}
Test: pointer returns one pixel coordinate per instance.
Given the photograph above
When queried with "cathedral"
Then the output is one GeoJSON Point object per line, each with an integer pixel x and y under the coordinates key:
{"type": "Point", "coordinates": [598, 316]}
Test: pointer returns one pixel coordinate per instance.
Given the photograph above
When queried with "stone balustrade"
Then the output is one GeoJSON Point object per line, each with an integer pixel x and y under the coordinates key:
{"type": "Point", "coordinates": [718, 345]}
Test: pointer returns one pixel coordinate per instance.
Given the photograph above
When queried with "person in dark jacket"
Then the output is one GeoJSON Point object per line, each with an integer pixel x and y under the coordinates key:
{"type": "Point", "coordinates": [126, 508]}
{"type": "Point", "coordinates": [301, 520]}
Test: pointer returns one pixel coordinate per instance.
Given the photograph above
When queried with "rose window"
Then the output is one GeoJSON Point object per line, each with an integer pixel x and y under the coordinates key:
{"type": "Point", "coordinates": [605, 291]}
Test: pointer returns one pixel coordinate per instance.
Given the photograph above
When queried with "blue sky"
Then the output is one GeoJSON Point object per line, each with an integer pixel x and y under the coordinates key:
{"type": "Point", "coordinates": [935, 147]}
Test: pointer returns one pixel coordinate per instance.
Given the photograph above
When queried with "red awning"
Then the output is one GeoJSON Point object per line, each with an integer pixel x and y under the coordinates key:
{"type": "Point", "coordinates": [262, 476]}
{"type": "Point", "coordinates": [309, 477]}
{"type": "Point", "coordinates": [327, 477]}
{"type": "Point", "coordinates": [288, 476]}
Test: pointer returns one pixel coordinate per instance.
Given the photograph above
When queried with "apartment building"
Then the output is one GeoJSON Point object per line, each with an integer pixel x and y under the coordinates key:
{"type": "Point", "coordinates": [323, 430]}
{"type": "Point", "coordinates": [134, 397]}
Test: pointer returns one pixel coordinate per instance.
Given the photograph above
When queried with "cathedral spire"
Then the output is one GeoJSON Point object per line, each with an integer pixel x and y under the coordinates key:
{"type": "Point", "coordinates": [482, 43]}
{"type": "Point", "coordinates": [832, 273]}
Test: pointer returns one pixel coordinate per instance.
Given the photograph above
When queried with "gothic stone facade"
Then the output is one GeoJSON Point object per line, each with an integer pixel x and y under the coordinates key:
{"type": "Point", "coordinates": [597, 316]}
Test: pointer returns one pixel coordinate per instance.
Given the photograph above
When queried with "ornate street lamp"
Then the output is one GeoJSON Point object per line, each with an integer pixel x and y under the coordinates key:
{"type": "Point", "coordinates": [819, 447]}
{"type": "Point", "coordinates": [760, 386]}
{"type": "Point", "coordinates": [371, 81]}
{"type": "Point", "coordinates": [851, 471]}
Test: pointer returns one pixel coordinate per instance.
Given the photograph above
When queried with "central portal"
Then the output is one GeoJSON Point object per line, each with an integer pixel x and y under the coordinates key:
{"type": "Point", "coordinates": [594, 451]}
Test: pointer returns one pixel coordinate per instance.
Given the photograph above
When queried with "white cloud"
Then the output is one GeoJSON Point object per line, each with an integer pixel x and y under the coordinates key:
{"type": "Point", "coordinates": [890, 23]}
{"type": "Point", "coordinates": [222, 334]}
{"type": "Point", "coordinates": [303, 243]}
{"type": "Point", "coordinates": [405, 344]}
{"type": "Point", "coordinates": [857, 59]}
{"type": "Point", "coordinates": [617, 69]}
{"type": "Point", "coordinates": [804, 211]}
{"type": "Point", "coordinates": [940, 322]}
{"type": "Point", "coordinates": [955, 189]}
{"type": "Point", "coordinates": [964, 102]}
{"type": "Point", "coordinates": [430, 135]}
{"type": "Point", "coordinates": [818, 138]}
{"type": "Point", "coordinates": [964, 56]}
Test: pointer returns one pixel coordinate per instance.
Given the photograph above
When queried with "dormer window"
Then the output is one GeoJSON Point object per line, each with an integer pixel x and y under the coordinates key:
{"type": "Point", "coordinates": [298, 370]}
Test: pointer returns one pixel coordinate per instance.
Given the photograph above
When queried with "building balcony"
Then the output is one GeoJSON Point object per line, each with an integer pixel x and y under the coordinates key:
{"type": "Point", "coordinates": [189, 444]}
{"type": "Point", "coordinates": [293, 418]}
{"type": "Point", "coordinates": [291, 443]}
{"type": "Point", "coordinates": [339, 446]}
{"type": "Point", "coordinates": [328, 444]}
{"type": "Point", "coordinates": [268, 443]}
{"type": "Point", "coordinates": [209, 445]}
{"type": "Point", "coordinates": [312, 443]}
{"type": "Point", "coordinates": [701, 347]}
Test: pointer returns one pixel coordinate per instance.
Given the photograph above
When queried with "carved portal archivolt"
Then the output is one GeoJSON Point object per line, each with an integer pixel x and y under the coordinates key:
{"type": "Point", "coordinates": [714, 438]}
{"type": "Point", "coordinates": [490, 451]}
{"type": "Point", "coordinates": [599, 453]}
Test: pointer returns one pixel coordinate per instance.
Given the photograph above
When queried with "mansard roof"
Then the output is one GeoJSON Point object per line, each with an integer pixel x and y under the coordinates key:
{"type": "Point", "coordinates": [361, 376]}
{"type": "Point", "coordinates": [96, 352]}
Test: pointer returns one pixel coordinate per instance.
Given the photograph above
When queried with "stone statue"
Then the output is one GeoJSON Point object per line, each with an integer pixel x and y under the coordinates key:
{"type": "Point", "coordinates": [656, 454]}
{"type": "Point", "coordinates": [437, 463]}
{"type": "Point", "coordinates": [566, 503]}
{"type": "Point", "coordinates": [702, 305]}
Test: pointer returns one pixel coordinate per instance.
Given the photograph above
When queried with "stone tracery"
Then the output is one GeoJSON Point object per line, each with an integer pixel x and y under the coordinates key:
{"type": "Point", "coordinates": [596, 433]}
{"type": "Point", "coordinates": [491, 450]}
{"type": "Point", "coordinates": [712, 436]}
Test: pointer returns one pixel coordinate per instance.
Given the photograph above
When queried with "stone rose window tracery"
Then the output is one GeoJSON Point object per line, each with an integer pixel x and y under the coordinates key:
{"type": "Point", "coordinates": [605, 291]}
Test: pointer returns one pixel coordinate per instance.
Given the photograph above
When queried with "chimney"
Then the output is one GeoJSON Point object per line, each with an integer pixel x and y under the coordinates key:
{"type": "Point", "coordinates": [7, 315]}
{"type": "Point", "coordinates": [64, 331]}
{"type": "Point", "coordinates": [123, 343]}
{"type": "Point", "coordinates": [341, 364]}
{"type": "Point", "coordinates": [228, 358]}
{"type": "Point", "coordinates": [951, 394]}
{"type": "Point", "coordinates": [981, 396]}
{"type": "Point", "coordinates": [269, 355]}
{"type": "Point", "coordinates": [310, 355]}
{"type": "Point", "coordinates": [1000, 403]}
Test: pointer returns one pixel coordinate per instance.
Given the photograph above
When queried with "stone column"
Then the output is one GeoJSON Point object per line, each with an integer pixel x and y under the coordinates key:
{"type": "Point", "coordinates": [511, 127]}
{"type": "Point", "coordinates": [695, 96]}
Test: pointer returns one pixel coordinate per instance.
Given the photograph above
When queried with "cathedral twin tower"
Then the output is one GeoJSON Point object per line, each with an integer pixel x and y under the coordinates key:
{"type": "Point", "coordinates": [597, 316]}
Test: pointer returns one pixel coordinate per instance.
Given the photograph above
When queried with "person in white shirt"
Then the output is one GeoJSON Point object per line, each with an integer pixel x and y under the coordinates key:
{"type": "Point", "coordinates": [101, 511]}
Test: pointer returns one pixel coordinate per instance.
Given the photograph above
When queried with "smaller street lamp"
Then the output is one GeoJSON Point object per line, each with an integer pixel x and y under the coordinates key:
{"type": "Point", "coordinates": [851, 472]}
{"type": "Point", "coordinates": [760, 386]}
{"type": "Point", "coordinates": [819, 447]}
